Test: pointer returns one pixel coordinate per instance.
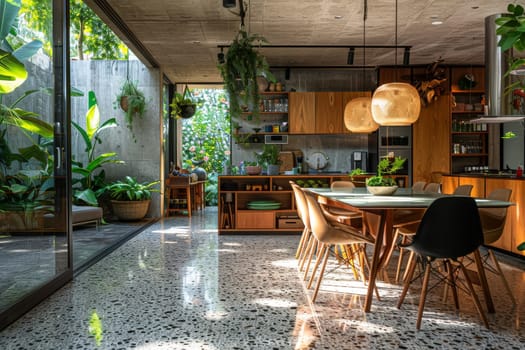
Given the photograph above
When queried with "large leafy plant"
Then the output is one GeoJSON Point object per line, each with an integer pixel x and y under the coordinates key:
{"type": "Point", "coordinates": [240, 70]}
{"type": "Point", "coordinates": [90, 176]}
{"type": "Point", "coordinates": [511, 29]}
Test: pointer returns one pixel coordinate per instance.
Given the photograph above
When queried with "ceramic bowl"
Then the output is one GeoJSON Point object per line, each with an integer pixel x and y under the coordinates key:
{"type": "Point", "coordinates": [382, 190]}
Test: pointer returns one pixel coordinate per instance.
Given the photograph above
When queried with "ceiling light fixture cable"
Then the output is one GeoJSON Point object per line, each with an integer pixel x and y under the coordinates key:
{"type": "Point", "coordinates": [358, 111]}
{"type": "Point", "coordinates": [396, 103]}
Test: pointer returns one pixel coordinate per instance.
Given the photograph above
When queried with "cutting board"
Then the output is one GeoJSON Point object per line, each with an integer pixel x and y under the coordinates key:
{"type": "Point", "coordinates": [287, 161]}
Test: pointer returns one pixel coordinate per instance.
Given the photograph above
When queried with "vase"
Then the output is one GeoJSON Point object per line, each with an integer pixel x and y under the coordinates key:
{"type": "Point", "coordinates": [262, 83]}
{"type": "Point", "coordinates": [273, 169]}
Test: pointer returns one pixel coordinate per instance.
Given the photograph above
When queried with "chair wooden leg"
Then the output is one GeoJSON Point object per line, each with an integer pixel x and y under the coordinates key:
{"type": "Point", "coordinates": [322, 251]}
{"type": "Point", "coordinates": [411, 257]}
{"type": "Point", "coordinates": [410, 274]}
{"type": "Point", "coordinates": [350, 258]}
{"type": "Point", "coordinates": [300, 247]}
{"type": "Point", "coordinates": [321, 273]}
{"type": "Point", "coordinates": [474, 295]}
{"type": "Point", "coordinates": [304, 257]}
{"type": "Point", "coordinates": [313, 251]}
{"type": "Point", "coordinates": [423, 296]}
{"type": "Point", "coordinates": [502, 276]}
{"type": "Point", "coordinates": [400, 259]}
{"type": "Point", "coordinates": [452, 281]}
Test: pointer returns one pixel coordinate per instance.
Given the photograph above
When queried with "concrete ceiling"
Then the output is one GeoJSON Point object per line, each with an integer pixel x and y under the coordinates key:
{"type": "Point", "coordinates": [182, 35]}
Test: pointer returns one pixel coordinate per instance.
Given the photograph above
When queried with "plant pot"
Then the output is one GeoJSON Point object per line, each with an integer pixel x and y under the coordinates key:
{"type": "Point", "coordinates": [188, 110]}
{"type": "Point", "coordinates": [382, 190]}
{"type": "Point", "coordinates": [253, 170]}
{"type": "Point", "coordinates": [273, 169]}
{"type": "Point", "coordinates": [124, 104]}
{"type": "Point", "coordinates": [130, 210]}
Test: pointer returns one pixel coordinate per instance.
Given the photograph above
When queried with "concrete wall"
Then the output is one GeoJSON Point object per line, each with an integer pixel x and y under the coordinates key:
{"type": "Point", "coordinates": [142, 155]}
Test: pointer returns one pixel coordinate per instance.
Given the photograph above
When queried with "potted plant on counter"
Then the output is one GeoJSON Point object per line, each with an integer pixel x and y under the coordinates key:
{"type": "Point", "coordinates": [130, 199]}
{"type": "Point", "coordinates": [269, 157]}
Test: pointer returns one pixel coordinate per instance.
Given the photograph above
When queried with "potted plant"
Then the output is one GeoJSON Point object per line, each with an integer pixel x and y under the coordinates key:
{"type": "Point", "coordinates": [132, 101]}
{"type": "Point", "coordinates": [130, 199]}
{"type": "Point", "coordinates": [252, 168]}
{"type": "Point", "coordinates": [182, 105]}
{"type": "Point", "coordinates": [379, 184]}
{"type": "Point", "coordinates": [240, 70]}
{"type": "Point", "coordinates": [269, 157]}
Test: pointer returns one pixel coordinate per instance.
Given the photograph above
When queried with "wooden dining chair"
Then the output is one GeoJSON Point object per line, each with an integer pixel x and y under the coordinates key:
{"type": "Point", "coordinates": [418, 186]}
{"type": "Point", "coordinates": [463, 190]}
{"type": "Point", "coordinates": [329, 234]}
{"type": "Point", "coordinates": [432, 187]}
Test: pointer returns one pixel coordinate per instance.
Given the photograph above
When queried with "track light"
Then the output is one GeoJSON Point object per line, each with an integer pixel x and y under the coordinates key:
{"type": "Point", "coordinates": [406, 56]}
{"type": "Point", "coordinates": [351, 54]}
{"type": "Point", "coordinates": [220, 57]}
{"type": "Point", "coordinates": [229, 4]}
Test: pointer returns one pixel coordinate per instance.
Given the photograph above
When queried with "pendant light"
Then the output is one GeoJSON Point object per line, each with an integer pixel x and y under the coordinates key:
{"type": "Point", "coordinates": [396, 104]}
{"type": "Point", "coordinates": [358, 111]}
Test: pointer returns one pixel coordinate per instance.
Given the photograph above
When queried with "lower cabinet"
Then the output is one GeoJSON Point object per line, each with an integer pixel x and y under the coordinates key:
{"type": "Point", "coordinates": [514, 232]}
{"type": "Point", "coordinates": [266, 203]}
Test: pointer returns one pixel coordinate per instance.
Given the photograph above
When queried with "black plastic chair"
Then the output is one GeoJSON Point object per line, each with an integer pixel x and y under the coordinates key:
{"type": "Point", "coordinates": [449, 229]}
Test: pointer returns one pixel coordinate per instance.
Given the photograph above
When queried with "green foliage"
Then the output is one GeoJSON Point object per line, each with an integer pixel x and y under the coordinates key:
{"type": "Point", "coordinates": [511, 29]}
{"type": "Point", "coordinates": [183, 105]}
{"type": "Point", "coordinates": [27, 191]}
{"type": "Point", "coordinates": [268, 156]}
{"type": "Point", "coordinates": [521, 246]}
{"type": "Point", "coordinates": [90, 177]}
{"type": "Point", "coordinates": [131, 190]}
{"type": "Point", "coordinates": [386, 166]}
{"type": "Point", "coordinates": [242, 66]}
{"type": "Point", "coordinates": [206, 137]}
{"type": "Point", "coordinates": [136, 102]}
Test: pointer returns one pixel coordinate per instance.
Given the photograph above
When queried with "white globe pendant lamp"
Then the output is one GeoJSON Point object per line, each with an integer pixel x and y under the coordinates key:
{"type": "Point", "coordinates": [396, 104]}
{"type": "Point", "coordinates": [358, 116]}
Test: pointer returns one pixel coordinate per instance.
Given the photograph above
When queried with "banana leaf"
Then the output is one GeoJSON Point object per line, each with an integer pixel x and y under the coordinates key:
{"type": "Point", "coordinates": [12, 72]}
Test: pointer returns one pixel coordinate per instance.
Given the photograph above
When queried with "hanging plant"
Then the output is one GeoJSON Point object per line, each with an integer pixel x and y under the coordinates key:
{"type": "Point", "coordinates": [132, 101]}
{"type": "Point", "coordinates": [240, 70]}
{"type": "Point", "coordinates": [182, 105]}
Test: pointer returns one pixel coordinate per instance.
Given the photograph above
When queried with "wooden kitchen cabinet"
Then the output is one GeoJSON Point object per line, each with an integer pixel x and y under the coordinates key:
{"type": "Point", "coordinates": [301, 112]}
{"type": "Point", "coordinates": [328, 112]}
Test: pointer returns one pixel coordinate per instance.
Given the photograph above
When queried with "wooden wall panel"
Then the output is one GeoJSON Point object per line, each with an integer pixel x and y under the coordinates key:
{"type": "Point", "coordinates": [431, 141]}
{"type": "Point", "coordinates": [328, 113]}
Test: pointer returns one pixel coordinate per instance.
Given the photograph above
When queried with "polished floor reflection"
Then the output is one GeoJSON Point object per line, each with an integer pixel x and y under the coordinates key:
{"type": "Point", "coordinates": [178, 285]}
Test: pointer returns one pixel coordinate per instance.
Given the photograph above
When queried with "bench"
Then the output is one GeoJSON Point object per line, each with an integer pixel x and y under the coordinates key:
{"type": "Point", "coordinates": [80, 215]}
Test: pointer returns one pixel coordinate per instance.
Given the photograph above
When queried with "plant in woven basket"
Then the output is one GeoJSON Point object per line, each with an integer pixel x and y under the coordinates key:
{"type": "Point", "coordinates": [130, 198]}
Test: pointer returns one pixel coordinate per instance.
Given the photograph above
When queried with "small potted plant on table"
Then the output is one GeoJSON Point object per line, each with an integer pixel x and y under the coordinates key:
{"type": "Point", "coordinates": [269, 157]}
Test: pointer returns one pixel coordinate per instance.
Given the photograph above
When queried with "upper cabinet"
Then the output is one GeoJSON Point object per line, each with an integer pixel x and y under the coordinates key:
{"type": "Point", "coordinates": [320, 112]}
{"type": "Point", "coordinates": [328, 113]}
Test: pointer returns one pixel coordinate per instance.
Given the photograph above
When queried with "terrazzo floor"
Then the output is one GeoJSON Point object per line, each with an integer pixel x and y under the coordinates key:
{"type": "Point", "coordinates": [178, 285]}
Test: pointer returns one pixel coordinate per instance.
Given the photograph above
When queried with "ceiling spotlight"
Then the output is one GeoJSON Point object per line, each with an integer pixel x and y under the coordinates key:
{"type": "Point", "coordinates": [406, 56]}
{"type": "Point", "coordinates": [220, 57]}
{"type": "Point", "coordinates": [351, 54]}
{"type": "Point", "coordinates": [229, 4]}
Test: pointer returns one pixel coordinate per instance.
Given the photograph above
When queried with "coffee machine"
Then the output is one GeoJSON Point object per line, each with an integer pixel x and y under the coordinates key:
{"type": "Point", "coordinates": [360, 160]}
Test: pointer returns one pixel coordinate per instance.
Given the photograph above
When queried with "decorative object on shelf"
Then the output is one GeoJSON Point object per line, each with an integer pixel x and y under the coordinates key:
{"type": "Point", "coordinates": [252, 168]}
{"type": "Point", "coordinates": [429, 87]}
{"type": "Point", "coordinates": [130, 199]}
{"type": "Point", "coordinates": [182, 105]}
{"type": "Point", "coordinates": [358, 112]}
{"type": "Point", "coordinates": [396, 104]}
{"type": "Point", "coordinates": [132, 101]}
{"type": "Point", "coordinates": [240, 71]}
{"type": "Point", "coordinates": [467, 82]}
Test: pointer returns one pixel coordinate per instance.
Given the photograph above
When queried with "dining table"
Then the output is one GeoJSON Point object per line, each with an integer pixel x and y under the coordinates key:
{"type": "Point", "coordinates": [381, 209]}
